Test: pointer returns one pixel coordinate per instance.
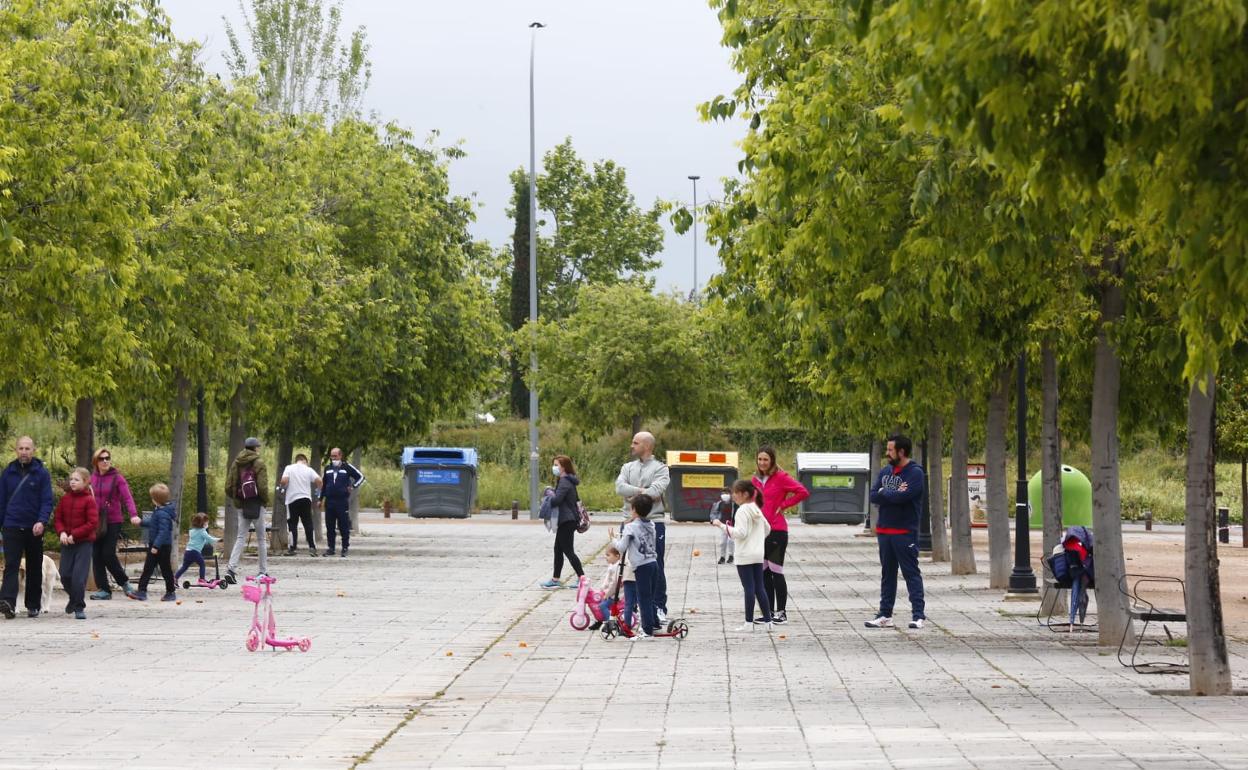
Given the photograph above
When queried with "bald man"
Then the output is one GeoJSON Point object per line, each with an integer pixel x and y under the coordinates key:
{"type": "Point", "coordinates": [337, 482]}
{"type": "Point", "coordinates": [25, 507]}
{"type": "Point", "coordinates": [645, 475]}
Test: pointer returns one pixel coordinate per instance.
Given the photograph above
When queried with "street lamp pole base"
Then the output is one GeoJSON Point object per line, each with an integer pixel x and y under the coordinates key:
{"type": "Point", "coordinates": [1022, 596]}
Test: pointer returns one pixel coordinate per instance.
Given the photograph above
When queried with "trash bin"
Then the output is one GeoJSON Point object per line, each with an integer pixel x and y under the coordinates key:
{"type": "Point", "coordinates": [439, 481]}
{"type": "Point", "coordinates": [1076, 499]}
{"type": "Point", "coordinates": [838, 482]}
{"type": "Point", "coordinates": [698, 478]}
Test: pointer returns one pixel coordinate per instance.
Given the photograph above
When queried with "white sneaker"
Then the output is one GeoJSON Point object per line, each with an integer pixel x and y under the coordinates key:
{"type": "Point", "coordinates": [917, 624]}
{"type": "Point", "coordinates": [662, 616]}
{"type": "Point", "coordinates": [880, 622]}
{"type": "Point", "coordinates": [769, 626]}
{"type": "Point", "coordinates": [640, 635]}
{"type": "Point", "coordinates": [744, 627]}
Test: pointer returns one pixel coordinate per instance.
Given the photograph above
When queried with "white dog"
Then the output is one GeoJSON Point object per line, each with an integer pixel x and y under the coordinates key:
{"type": "Point", "coordinates": [51, 577]}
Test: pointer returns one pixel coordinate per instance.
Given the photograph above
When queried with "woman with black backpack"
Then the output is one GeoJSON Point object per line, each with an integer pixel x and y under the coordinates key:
{"type": "Point", "coordinates": [564, 503]}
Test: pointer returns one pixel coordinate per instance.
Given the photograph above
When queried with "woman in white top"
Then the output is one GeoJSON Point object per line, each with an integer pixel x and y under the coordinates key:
{"type": "Point", "coordinates": [749, 531]}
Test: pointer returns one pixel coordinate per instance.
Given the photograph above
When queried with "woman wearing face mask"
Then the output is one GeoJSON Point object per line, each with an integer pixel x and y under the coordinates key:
{"type": "Point", "coordinates": [564, 502]}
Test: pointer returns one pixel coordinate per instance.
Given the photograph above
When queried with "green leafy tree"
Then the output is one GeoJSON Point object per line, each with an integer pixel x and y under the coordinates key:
{"type": "Point", "coordinates": [403, 330]}
{"type": "Point", "coordinates": [292, 47]}
{"type": "Point", "coordinates": [598, 235]}
{"type": "Point", "coordinates": [1122, 114]}
{"type": "Point", "coordinates": [626, 356]}
{"type": "Point", "coordinates": [84, 120]}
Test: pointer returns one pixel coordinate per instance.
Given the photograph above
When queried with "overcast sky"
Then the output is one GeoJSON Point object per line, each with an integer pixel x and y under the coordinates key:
{"type": "Point", "coordinates": [623, 79]}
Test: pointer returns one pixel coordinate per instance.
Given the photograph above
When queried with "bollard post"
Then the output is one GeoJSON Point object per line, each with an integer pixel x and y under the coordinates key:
{"type": "Point", "coordinates": [1224, 525]}
{"type": "Point", "coordinates": [385, 507]}
{"type": "Point", "coordinates": [515, 509]}
{"type": "Point", "coordinates": [1148, 520]}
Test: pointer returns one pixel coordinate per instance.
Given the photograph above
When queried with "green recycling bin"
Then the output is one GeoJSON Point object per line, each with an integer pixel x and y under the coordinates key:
{"type": "Point", "coordinates": [1076, 499]}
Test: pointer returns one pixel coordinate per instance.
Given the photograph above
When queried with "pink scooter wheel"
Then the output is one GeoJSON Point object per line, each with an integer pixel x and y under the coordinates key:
{"type": "Point", "coordinates": [305, 644]}
{"type": "Point", "coordinates": [584, 624]}
{"type": "Point", "coordinates": [253, 640]}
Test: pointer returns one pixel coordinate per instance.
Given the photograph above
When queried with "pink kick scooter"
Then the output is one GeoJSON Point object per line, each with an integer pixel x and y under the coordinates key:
{"type": "Point", "coordinates": [263, 623]}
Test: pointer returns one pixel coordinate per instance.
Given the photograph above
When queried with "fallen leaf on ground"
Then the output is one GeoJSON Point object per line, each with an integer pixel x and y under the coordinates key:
{"type": "Point", "coordinates": [697, 552]}
{"type": "Point", "coordinates": [782, 636]}
{"type": "Point", "coordinates": [179, 601]}
{"type": "Point", "coordinates": [524, 644]}
{"type": "Point", "coordinates": [342, 593]}
{"type": "Point", "coordinates": [449, 653]}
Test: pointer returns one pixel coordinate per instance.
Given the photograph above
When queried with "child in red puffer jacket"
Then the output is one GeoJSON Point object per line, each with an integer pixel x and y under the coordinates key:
{"type": "Point", "coordinates": [75, 518]}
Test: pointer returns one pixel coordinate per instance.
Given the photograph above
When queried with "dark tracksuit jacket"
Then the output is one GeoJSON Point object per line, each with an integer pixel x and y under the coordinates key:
{"type": "Point", "coordinates": [897, 530]}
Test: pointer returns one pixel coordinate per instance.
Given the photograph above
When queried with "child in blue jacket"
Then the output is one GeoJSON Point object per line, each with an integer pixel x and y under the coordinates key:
{"type": "Point", "coordinates": [159, 545]}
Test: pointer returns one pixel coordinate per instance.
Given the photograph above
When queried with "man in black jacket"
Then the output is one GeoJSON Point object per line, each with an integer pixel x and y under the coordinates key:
{"type": "Point", "coordinates": [25, 506]}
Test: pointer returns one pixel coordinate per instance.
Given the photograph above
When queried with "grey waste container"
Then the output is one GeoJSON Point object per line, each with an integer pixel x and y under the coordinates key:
{"type": "Point", "coordinates": [697, 478]}
{"type": "Point", "coordinates": [838, 482]}
{"type": "Point", "coordinates": [439, 481]}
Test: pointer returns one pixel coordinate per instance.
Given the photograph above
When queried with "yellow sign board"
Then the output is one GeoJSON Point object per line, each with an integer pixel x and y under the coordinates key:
{"type": "Point", "coordinates": [703, 481]}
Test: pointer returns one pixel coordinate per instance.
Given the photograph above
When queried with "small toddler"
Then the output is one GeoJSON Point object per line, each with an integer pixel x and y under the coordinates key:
{"type": "Point", "coordinates": [198, 545]}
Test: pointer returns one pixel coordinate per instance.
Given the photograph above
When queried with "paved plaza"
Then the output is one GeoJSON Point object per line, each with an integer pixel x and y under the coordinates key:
{"type": "Point", "coordinates": [433, 647]}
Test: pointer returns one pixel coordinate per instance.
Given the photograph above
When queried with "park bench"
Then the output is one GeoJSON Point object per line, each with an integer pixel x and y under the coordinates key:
{"type": "Point", "coordinates": [1143, 609]}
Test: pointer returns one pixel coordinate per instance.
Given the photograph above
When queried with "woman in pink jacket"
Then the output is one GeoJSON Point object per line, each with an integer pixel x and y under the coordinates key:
{"type": "Point", "coordinates": [112, 495]}
{"type": "Point", "coordinates": [778, 491]}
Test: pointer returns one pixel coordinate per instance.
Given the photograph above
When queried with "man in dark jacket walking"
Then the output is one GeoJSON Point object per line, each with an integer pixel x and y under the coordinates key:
{"type": "Point", "coordinates": [898, 490]}
{"type": "Point", "coordinates": [247, 483]}
{"type": "Point", "coordinates": [25, 506]}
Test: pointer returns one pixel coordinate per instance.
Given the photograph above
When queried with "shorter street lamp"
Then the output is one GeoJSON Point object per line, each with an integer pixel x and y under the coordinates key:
{"type": "Point", "coordinates": [1022, 580]}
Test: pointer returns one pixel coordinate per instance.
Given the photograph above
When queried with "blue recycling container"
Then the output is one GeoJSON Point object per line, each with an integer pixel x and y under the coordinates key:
{"type": "Point", "coordinates": [439, 482]}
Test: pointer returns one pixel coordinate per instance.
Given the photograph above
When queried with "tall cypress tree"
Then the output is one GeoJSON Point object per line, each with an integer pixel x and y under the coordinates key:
{"type": "Point", "coordinates": [519, 288]}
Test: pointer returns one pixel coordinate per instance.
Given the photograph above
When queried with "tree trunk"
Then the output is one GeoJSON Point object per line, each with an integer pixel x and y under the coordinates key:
{"type": "Point", "coordinates": [1000, 564]}
{"type": "Point", "coordinates": [1206, 641]}
{"type": "Point", "coordinates": [238, 433]}
{"type": "Point", "coordinates": [1050, 462]}
{"type": "Point", "coordinates": [177, 461]}
{"type": "Point", "coordinates": [318, 516]}
{"type": "Point", "coordinates": [962, 552]}
{"type": "Point", "coordinates": [281, 531]}
{"type": "Point", "coordinates": [84, 432]}
{"type": "Point", "coordinates": [636, 424]}
{"type": "Point", "coordinates": [1051, 449]}
{"type": "Point", "coordinates": [1243, 502]}
{"type": "Point", "coordinates": [357, 457]}
{"type": "Point", "coordinates": [936, 487]}
{"type": "Point", "coordinates": [1113, 619]}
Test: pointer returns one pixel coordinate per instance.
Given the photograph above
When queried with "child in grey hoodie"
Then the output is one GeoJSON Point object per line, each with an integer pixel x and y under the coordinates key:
{"type": "Point", "coordinates": [637, 542]}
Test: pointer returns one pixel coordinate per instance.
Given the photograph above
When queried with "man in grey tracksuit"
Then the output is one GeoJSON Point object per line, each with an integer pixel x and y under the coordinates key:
{"type": "Point", "coordinates": [645, 474]}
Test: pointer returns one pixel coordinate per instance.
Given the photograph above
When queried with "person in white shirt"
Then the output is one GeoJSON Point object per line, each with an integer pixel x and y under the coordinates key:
{"type": "Point", "coordinates": [300, 479]}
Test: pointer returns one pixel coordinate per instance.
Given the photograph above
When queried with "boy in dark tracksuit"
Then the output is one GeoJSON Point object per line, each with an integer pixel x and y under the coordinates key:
{"type": "Point", "coordinates": [338, 480]}
{"type": "Point", "coordinates": [898, 490]}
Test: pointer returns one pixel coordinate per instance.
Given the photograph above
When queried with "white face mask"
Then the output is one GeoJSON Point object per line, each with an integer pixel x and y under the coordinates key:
{"type": "Point", "coordinates": [555, 469]}
{"type": "Point", "coordinates": [336, 463]}
{"type": "Point", "coordinates": [725, 497]}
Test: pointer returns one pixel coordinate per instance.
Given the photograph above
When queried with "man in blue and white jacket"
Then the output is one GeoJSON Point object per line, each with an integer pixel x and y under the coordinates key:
{"type": "Point", "coordinates": [337, 482]}
{"type": "Point", "coordinates": [25, 506]}
{"type": "Point", "coordinates": [898, 490]}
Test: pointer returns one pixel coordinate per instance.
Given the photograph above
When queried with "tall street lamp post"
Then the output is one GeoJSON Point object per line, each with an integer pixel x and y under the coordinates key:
{"type": "Point", "coordinates": [534, 503]}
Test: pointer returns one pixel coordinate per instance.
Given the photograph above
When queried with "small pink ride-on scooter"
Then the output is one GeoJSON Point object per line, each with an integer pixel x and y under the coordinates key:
{"type": "Point", "coordinates": [263, 623]}
{"type": "Point", "coordinates": [586, 610]}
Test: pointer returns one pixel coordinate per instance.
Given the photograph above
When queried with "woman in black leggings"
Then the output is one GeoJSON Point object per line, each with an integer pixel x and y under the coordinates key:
{"type": "Point", "coordinates": [564, 502]}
